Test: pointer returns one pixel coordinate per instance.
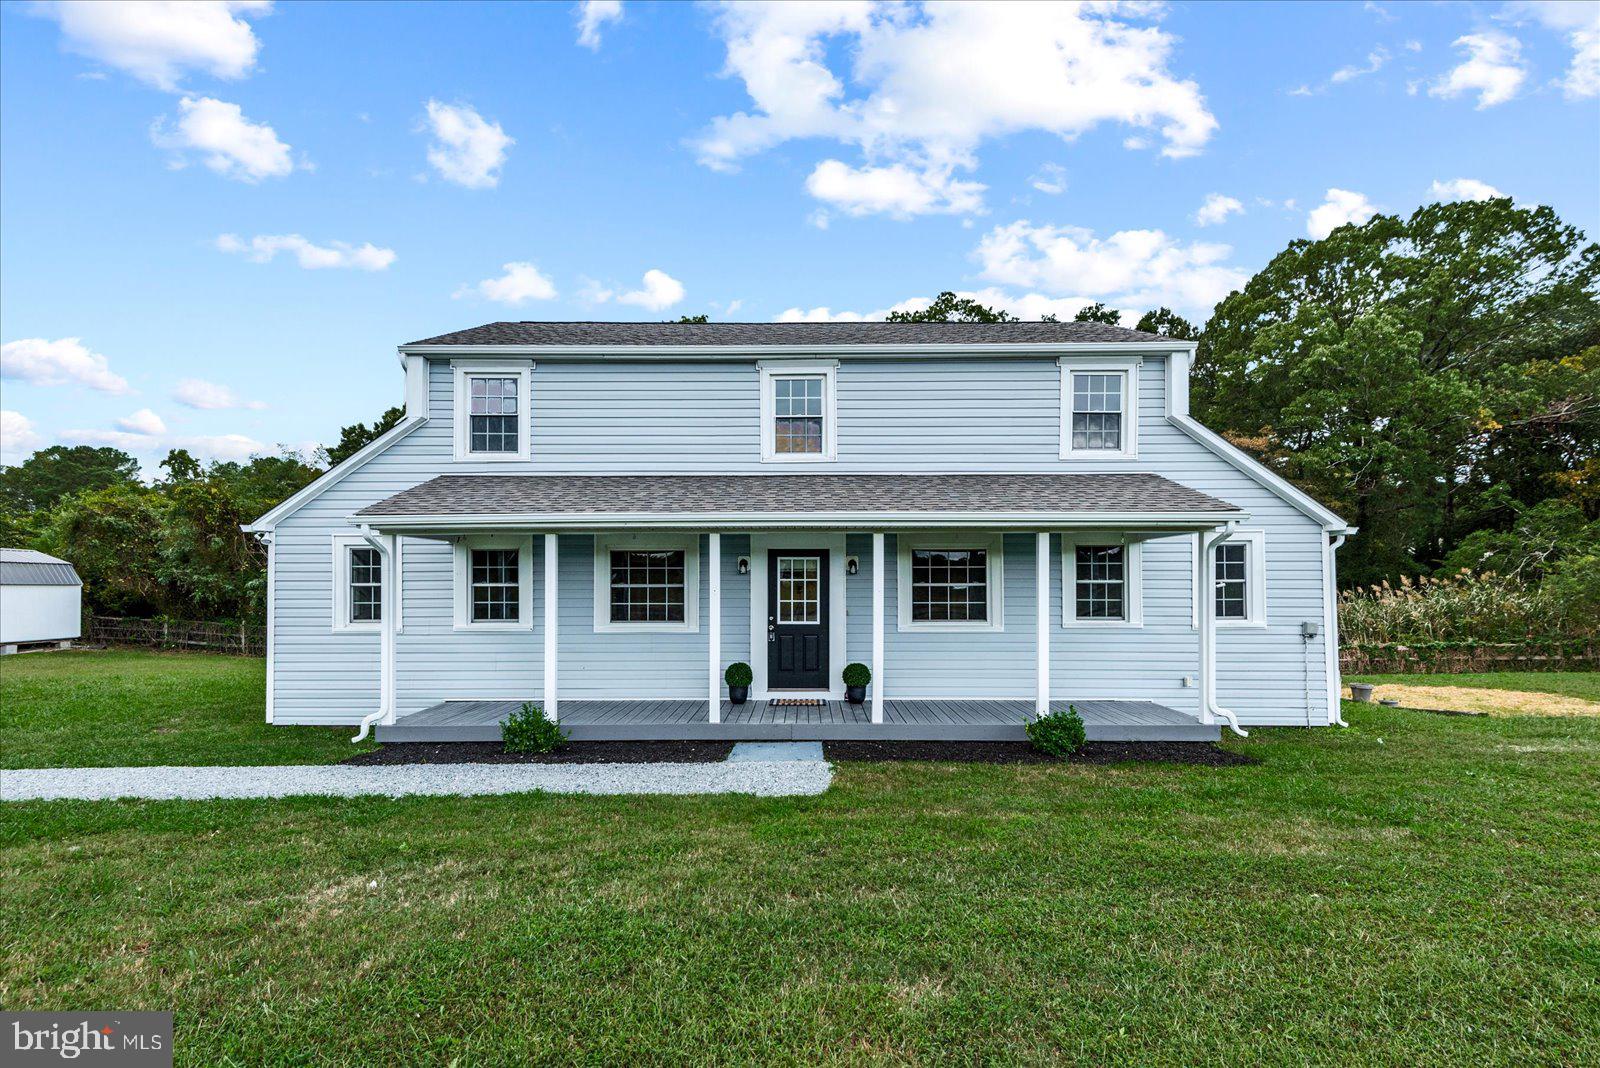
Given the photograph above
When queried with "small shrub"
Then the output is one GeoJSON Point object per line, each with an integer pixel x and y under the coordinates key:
{"type": "Point", "coordinates": [857, 675]}
{"type": "Point", "coordinates": [1059, 734]}
{"type": "Point", "coordinates": [739, 675]}
{"type": "Point", "coordinates": [527, 730]}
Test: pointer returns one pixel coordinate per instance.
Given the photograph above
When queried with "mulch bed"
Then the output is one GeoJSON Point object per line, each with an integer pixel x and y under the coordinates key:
{"type": "Point", "coordinates": [1203, 753]}
{"type": "Point", "coordinates": [571, 753]}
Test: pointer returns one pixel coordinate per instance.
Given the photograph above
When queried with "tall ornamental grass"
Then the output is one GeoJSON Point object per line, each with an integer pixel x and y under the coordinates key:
{"type": "Point", "coordinates": [1458, 609]}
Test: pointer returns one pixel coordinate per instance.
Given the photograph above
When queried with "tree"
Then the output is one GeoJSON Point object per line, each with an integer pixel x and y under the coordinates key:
{"type": "Point", "coordinates": [62, 470]}
{"type": "Point", "coordinates": [1098, 313]}
{"type": "Point", "coordinates": [113, 538]}
{"type": "Point", "coordinates": [701, 318]}
{"type": "Point", "coordinates": [1168, 323]}
{"type": "Point", "coordinates": [352, 438]}
{"type": "Point", "coordinates": [181, 466]}
{"type": "Point", "coordinates": [949, 308]}
{"type": "Point", "coordinates": [1398, 370]}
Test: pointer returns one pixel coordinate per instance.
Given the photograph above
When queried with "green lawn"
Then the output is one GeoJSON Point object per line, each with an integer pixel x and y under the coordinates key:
{"type": "Point", "coordinates": [1582, 684]}
{"type": "Point", "coordinates": [1417, 889]}
{"type": "Point", "coordinates": [88, 709]}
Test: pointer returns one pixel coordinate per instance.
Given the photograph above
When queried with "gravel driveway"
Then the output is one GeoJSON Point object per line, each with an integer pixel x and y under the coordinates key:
{"type": "Point", "coordinates": [788, 778]}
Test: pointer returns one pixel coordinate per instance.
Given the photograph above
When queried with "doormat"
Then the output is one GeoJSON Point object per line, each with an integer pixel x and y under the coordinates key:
{"type": "Point", "coordinates": [798, 702]}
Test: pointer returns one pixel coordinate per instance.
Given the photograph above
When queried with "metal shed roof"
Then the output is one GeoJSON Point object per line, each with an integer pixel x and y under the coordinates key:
{"type": "Point", "coordinates": [25, 567]}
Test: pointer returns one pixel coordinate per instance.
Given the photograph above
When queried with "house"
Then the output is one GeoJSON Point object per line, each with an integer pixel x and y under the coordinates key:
{"type": "Point", "coordinates": [998, 519]}
{"type": "Point", "coordinates": [41, 599]}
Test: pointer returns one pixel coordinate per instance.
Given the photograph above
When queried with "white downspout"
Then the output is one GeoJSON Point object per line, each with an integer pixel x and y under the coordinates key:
{"type": "Point", "coordinates": [1208, 636]}
{"type": "Point", "coordinates": [385, 712]}
{"type": "Point", "coordinates": [1331, 629]}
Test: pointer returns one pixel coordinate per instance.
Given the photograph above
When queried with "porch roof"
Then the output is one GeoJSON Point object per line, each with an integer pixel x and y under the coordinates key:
{"type": "Point", "coordinates": [795, 500]}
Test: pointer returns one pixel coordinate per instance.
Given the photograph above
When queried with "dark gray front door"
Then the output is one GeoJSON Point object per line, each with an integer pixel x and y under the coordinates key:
{"type": "Point", "coordinates": [797, 619]}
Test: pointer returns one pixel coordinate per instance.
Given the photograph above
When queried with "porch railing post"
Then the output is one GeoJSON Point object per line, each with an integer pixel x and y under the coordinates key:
{"type": "Point", "coordinates": [552, 586]}
{"type": "Point", "coordinates": [714, 623]}
{"type": "Point", "coordinates": [877, 627]}
{"type": "Point", "coordinates": [1041, 699]}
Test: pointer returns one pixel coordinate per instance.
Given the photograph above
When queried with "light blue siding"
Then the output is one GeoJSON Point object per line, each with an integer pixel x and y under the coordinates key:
{"type": "Point", "coordinates": [936, 415]}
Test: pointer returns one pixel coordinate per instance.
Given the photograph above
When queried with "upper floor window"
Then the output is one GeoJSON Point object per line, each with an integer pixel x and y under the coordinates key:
{"type": "Point", "coordinates": [798, 412]}
{"type": "Point", "coordinates": [1103, 581]}
{"type": "Point", "coordinates": [1238, 574]}
{"type": "Point", "coordinates": [1099, 401]}
{"type": "Point", "coordinates": [491, 406]}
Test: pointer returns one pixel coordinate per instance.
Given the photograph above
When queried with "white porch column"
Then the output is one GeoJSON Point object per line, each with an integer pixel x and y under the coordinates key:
{"type": "Point", "coordinates": [714, 622]}
{"type": "Point", "coordinates": [1041, 587]}
{"type": "Point", "coordinates": [552, 587]}
{"type": "Point", "coordinates": [877, 627]}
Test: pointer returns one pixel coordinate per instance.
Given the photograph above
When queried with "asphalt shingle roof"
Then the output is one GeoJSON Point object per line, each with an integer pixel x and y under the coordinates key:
{"type": "Point", "coordinates": [744, 335]}
{"type": "Point", "coordinates": [720, 494]}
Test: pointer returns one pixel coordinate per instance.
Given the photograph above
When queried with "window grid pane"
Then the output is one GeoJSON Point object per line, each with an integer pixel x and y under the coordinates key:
{"type": "Point", "coordinates": [1100, 582]}
{"type": "Point", "coordinates": [1232, 564]}
{"type": "Point", "coordinates": [492, 415]}
{"type": "Point", "coordinates": [1097, 411]}
{"type": "Point", "coordinates": [797, 415]}
{"type": "Point", "coordinates": [495, 586]}
{"type": "Point", "coordinates": [950, 585]}
{"type": "Point", "coordinates": [647, 586]}
{"type": "Point", "coordinates": [366, 586]}
{"type": "Point", "coordinates": [799, 589]}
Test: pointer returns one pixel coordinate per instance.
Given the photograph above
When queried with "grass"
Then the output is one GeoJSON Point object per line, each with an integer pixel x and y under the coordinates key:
{"type": "Point", "coordinates": [1417, 889]}
{"type": "Point", "coordinates": [125, 707]}
{"type": "Point", "coordinates": [1580, 684]}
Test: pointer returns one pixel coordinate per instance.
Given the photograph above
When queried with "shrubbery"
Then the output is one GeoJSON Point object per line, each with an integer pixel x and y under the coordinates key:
{"type": "Point", "coordinates": [1059, 734]}
{"type": "Point", "coordinates": [528, 730]}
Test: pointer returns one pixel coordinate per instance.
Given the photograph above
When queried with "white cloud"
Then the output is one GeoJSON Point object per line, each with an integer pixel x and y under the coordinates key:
{"type": "Point", "coordinates": [1031, 306]}
{"type": "Point", "coordinates": [263, 247]}
{"type": "Point", "coordinates": [229, 144]}
{"type": "Point", "coordinates": [1580, 22]}
{"type": "Point", "coordinates": [143, 421]}
{"type": "Point", "coordinates": [660, 290]}
{"type": "Point", "coordinates": [157, 41]}
{"type": "Point", "coordinates": [1463, 189]}
{"type": "Point", "coordinates": [1135, 268]}
{"type": "Point", "coordinates": [1339, 207]}
{"type": "Point", "coordinates": [58, 363]}
{"type": "Point", "coordinates": [203, 446]}
{"type": "Point", "coordinates": [1378, 11]}
{"type": "Point", "coordinates": [825, 314]}
{"type": "Point", "coordinates": [928, 85]}
{"type": "Point", "coordinates": [1051, 179]}
{"type": "Point", "coordinates": [1493, 69]}
{"type": "Point", "coordinates": [198, 393]}
{"type": "Point", "coordinates": [467, 149]}
{"type": "Point", "coordinates": [592, 15]}
{"type": "Point", "coordinates": [1216, 209]}
{"type": "Point", "coordinates": [18, 438]}
{"type": "Point", "coordinates": [521, 282]}
{"type": "Point", "coordinates": [896, 190]}
{"type": "Point", "coordinates": [1375, 61]}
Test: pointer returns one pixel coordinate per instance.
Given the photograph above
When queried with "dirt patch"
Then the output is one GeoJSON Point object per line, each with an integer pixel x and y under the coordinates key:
{"type": "Point", "coordinates": [1492, 702]}
{"type": "Point", "coordinates": [1203, 753]}
{"type": "Point", "coordinates": [571, 753]}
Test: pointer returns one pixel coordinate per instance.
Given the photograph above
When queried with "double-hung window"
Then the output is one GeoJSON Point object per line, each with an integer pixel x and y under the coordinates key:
{"type": "Point", "coordinates": [646, 582]}
{"type": "Point", "coordinates": [1103, 582]}
{"type": "Point", "coordinates": [491, 411]}
{"type": "Point", "coordinates": [358, 584]}
{"type": "Point", "coordinates": [1099, 403]}
{"type": "Point", "coordinates": [950, 584]}
{"type": "Point", "coordinates": [798, 412]}
{"type": "Point", "coordinates": [1238, 579]}
{"type": "Point", "coordinates": [494, 583]}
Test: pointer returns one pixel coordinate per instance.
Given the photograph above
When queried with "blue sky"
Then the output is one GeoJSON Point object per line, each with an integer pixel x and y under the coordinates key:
{"type": "Point", "coordinates": [238, 210]}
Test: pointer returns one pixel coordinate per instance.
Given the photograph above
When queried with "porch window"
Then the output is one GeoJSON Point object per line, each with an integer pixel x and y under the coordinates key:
{"type": "Point", "coordinates": [1099, 408]}
{"type": "Point", "coordinates": [1101, 582]}
{"type": "Point", "coordinates": [1238, 573]}
{"type": "Point", "coordinates": [949, 585]}
{"type": "Point", "coordinates": [798, 412]}
{"type": "Point", "coordinates": [366, 585]}
{"type": "Point", "coordinates": [648, 586]}
{"type": "Point", "coordinates": [496, 586]}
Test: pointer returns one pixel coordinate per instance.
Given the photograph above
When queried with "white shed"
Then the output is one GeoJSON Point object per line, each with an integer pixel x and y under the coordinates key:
{"type": "Point", "coordinates": [40, 599]}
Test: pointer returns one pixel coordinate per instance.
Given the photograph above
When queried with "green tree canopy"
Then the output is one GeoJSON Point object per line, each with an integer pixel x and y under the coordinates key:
{"type": "Point", "coordinates": [1098, 313]}
{"type": "Point", "coordinates": [62, 470]}
{"type": "Point", "coordinates": [701, 318]}
{"type": "Point", "coordinates": [356, 435]}
{"type": "Point", "coordinates": [1168, 323]}
{"type": "Point", "coordinates": [949, 308]}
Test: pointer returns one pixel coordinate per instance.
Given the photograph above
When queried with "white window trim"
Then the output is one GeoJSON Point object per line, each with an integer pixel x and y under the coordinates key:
{"type": "Point", "coordinates": [1128, 367]}
{"type": "Point", "coordinates": [522, 371]}
{"type": "Point", "coordinates": [827, 370]}
{"type": "Point", "coordinates": [342, 544]}
{"type": "Point", "coordinates": [905, 542]}
{"type": "Point", "coordinates": [1255, 578]}
{"type": "Point", "coordinates": [1132, 579]}
{"type": "Point", "coordinates": [605, 543]}
{"type": "Point", "coordinates": [463, 581]}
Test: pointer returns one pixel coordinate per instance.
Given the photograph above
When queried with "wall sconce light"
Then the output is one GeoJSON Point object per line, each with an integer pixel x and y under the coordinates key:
{"type": "Point", "coordinates": [852, 564]}
{"type": "Point", "coordinates": [744, 565]}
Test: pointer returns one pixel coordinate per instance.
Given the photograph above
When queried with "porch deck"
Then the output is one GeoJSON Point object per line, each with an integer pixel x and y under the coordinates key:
{"type": "Point", "coordinates": [911, 720]}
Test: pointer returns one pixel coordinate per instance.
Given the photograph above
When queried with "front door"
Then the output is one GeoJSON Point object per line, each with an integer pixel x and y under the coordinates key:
{"type": "Point", "coordinates": [797, 619]}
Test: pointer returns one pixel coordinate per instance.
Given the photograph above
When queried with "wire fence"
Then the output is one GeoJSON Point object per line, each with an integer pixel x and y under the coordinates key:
{"type": "Point", "coordinates": [1398, 659]}
{"type": "Point", "coordinates": [248, 639]}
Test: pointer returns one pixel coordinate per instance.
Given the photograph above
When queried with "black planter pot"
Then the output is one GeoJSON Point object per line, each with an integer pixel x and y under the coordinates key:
{"type": "Point", "coordinates": [738, 695]}
{"type": "Point", "coordinates": [855, 694]}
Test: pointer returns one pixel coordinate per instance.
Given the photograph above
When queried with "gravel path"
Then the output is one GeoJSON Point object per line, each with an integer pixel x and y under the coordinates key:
{"type": "Point", "coordinates": [762, 778]}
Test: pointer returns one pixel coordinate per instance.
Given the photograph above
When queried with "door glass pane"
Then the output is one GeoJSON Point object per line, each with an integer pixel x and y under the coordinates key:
{"type": "Point", "coordinates": [799, 589]}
